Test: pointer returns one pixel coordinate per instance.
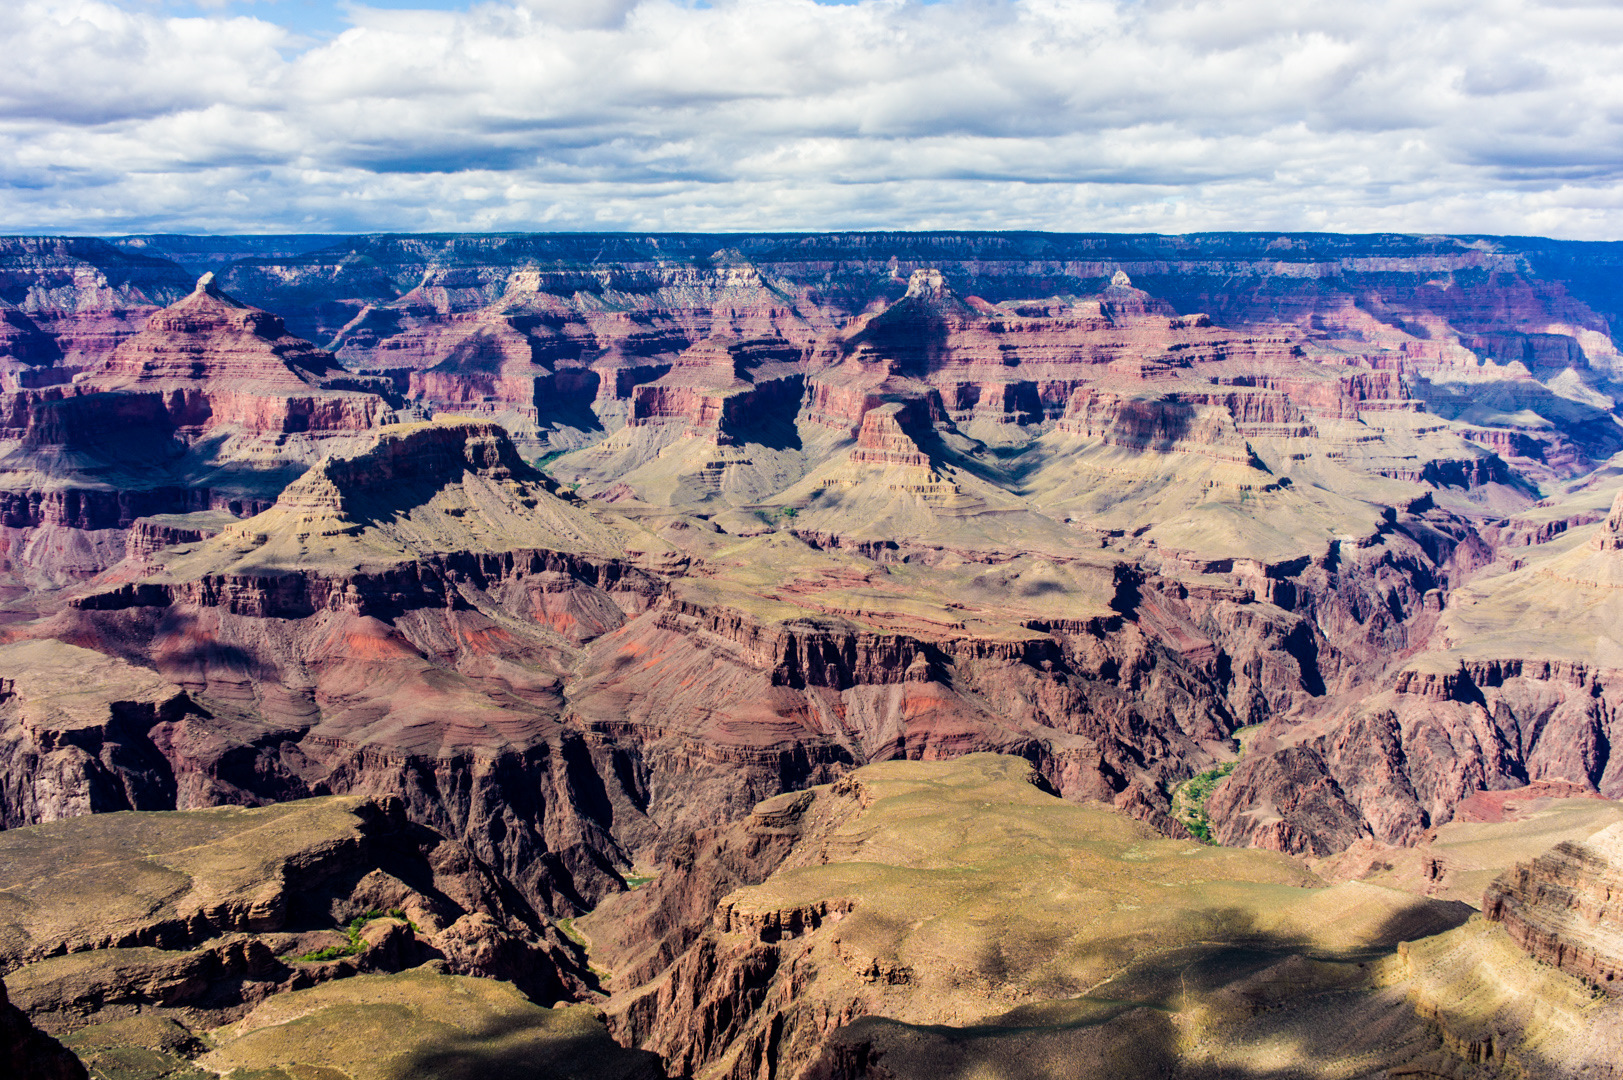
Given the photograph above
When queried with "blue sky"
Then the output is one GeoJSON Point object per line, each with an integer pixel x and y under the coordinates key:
{"type": "Point", "coordinates": [1499, 116]}
{"type": "Point", "coordinates": [321, 19]}
{"type": "Point", "coordinates": [316, 19]}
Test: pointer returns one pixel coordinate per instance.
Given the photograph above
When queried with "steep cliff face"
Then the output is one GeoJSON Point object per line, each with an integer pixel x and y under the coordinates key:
{"type": "Point", "coordinates": [32, 1054]}
{"type": "Point", "coordinates": [1505, 675]}
{"type": "Point", "coordinates": [1501, 1013]}
{"type": "Point", "coordinates": [1562, 908]}
{"type": "Point", "coordinates": [1401, 761]}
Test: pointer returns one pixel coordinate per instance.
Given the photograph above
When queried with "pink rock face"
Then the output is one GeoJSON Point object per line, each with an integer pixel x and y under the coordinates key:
{"type": "Point", "coordinates": [538, 348]}
{"type": "Point", "coordinates": [883, 441]}
{"type": "Point", "coordinates": [209, 335]}
{"type": "Point", "coordinates": [84, 295]}
{"type": "Point", "coordinates": [216, 362]}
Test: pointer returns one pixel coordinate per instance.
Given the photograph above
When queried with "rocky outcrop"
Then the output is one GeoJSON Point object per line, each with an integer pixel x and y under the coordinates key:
{"type": "Point", "coordinates": [147, 537]}
{"type": "Point", "coordinates": [433, 455]}
{"type": "Point", "coordinates": [1498, 1012]}
{"type": "Point", "coordinates": [216, 909]}
{"type": "Point", "coordinates": [93, 510]}
{"type": "Point", "coordinates": [1404, 761]}
{"type": "Point", "coordinates": [647, 929]}
{"type": "Point", "coordinates": [1169, 424]}
{"type": "Point", "coordinates": [1563, 908]}
{"type": "Point", "coordinates": [1609, 537]}
{"type": "Point", "coordinates": [1285, 802]}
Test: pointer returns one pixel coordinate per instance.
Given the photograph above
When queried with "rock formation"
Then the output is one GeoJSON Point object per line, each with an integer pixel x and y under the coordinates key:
{"type": "Point", "coordinates": [214, 361]}
{"type": "Point", "coordinates": [1562, 908]}
{"type": "Point", "coordinates": [1513, 680]}
{"type": "Point", "coordinates": [1498, 1012]}
{"type": "Point", "coordinates": [30, 1053]}
{"type": "Point", "coordinates": [203, 914]}
{"type": "Point", "coordinates": [1609, 537]}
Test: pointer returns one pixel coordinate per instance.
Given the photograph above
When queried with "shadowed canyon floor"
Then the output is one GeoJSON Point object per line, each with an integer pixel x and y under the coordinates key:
{"type": "Point", "coordinates": [521, 569]}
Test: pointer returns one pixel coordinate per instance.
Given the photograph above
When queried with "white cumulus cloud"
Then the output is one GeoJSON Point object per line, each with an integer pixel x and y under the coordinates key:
{"type": "Point", "coordinates": [1167, 115]}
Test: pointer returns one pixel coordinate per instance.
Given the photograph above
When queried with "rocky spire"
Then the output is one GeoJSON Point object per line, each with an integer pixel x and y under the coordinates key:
{"type": "Point", "coordinates": [928, 284]}
{"type": "Point", "coordinates": [1610, 535]}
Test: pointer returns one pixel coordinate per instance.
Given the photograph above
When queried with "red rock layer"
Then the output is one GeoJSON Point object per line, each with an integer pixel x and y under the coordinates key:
{"type": "Point", "coordinates": [723, 390]}
{"type": "Point", "coordinates": [214, 361]}
{"type": "Point", "coordinates": [882, 441]}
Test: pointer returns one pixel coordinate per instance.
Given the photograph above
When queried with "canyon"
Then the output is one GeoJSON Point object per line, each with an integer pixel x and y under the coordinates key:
{"type": "Point", "coordinates": [602, 603]}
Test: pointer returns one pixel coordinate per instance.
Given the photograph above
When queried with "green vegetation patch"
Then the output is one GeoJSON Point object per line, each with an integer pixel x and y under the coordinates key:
{"type": "Point", "coordinates": [548, 458]}
{"type": "Point", "coordinates": [1189, 801]}
{"type": "Point", "coordinates": [353, 931]}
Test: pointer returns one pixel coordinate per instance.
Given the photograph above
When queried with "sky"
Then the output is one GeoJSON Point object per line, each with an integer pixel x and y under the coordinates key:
{"type": "Point", "coordinates": [252, 116]}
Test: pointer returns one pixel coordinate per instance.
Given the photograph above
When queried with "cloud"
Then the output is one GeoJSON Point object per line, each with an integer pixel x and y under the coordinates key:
{"type": "Point", "coordinates": [1174, 115]}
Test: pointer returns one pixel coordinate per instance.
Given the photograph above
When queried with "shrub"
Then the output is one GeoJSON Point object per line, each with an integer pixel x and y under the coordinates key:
{"type": "Point", "coordinates": [1194, 793]}
{"type": "Point", "coordinates": [353, 932]}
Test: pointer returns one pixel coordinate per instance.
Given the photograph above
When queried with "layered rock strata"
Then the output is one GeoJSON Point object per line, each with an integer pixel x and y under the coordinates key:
{"type": "Point", "coordinates": [1562, 908]}
{"type": "Point", "coordinates": [854, 509]}
{"type": "Point", "coordinates": [1515, 681]}
{"type": "Point", "coordinates": [213, 361]}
